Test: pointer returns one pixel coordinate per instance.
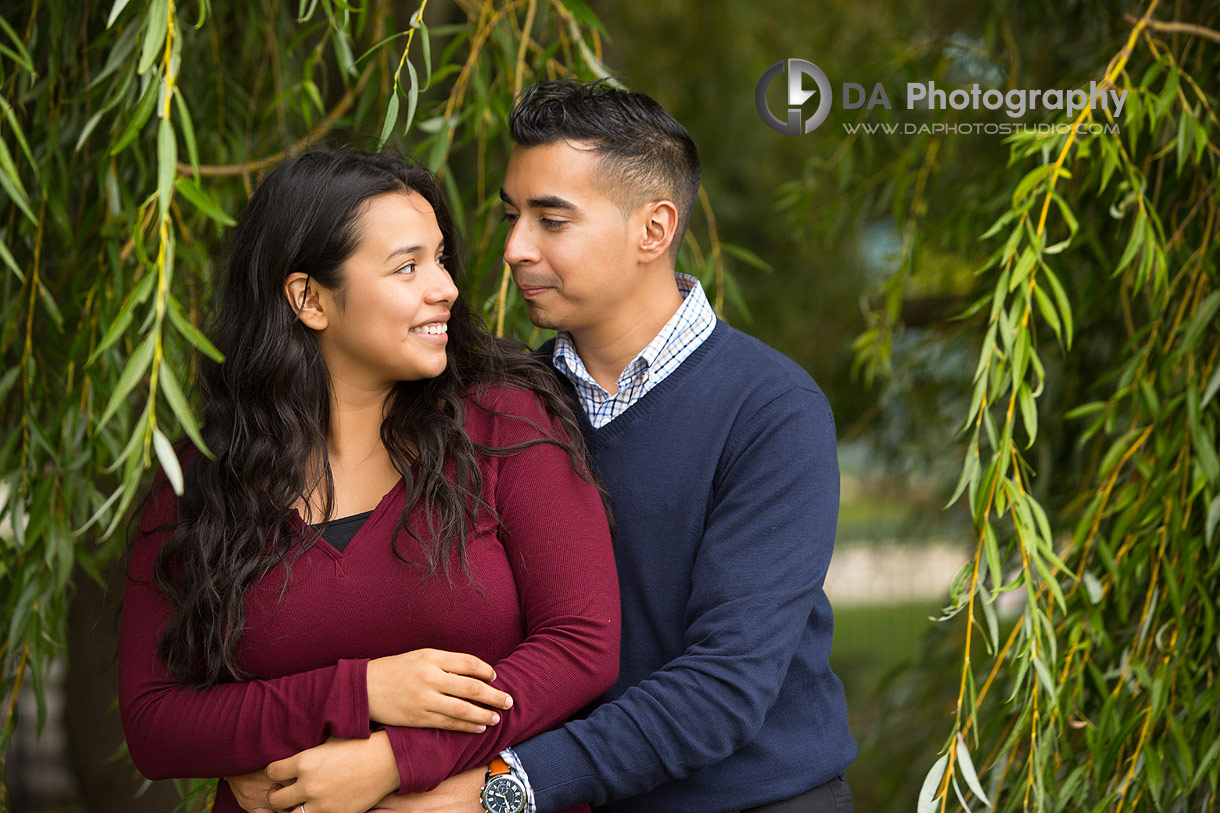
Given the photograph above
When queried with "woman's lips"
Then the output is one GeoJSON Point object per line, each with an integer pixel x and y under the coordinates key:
{"type": "Point", "coordinates": [436, 332]}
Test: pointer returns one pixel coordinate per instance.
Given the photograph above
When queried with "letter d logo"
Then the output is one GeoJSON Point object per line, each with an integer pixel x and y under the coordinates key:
{"type": "Point", "coordinates": [797, 96]}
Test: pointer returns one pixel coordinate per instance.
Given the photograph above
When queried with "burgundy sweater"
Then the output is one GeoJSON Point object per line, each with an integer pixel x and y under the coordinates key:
{"type": "Point", "coordinates": [544, 613]}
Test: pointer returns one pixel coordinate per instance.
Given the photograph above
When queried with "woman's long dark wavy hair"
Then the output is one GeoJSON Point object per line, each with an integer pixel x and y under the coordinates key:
{"type": "Point", "coordinates": [266, 408]}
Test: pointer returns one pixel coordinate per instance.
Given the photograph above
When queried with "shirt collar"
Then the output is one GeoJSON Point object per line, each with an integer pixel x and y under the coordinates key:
{"type": "Point", "coordinates": [694, 308]}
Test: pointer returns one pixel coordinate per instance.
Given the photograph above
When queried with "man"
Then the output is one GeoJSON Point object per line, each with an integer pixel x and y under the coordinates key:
{"type": "Point", "coordinates": [719, 457]}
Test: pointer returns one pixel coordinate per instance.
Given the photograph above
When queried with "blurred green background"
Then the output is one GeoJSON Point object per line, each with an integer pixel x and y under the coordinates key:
{"type": "Point", "coordinates": [702, 61]}
{"type": "Point", "coordinates": [825, 221]}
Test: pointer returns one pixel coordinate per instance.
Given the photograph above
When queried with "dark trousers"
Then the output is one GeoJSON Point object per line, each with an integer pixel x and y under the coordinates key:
{"type": "Point", "coordinates": [830, 797]}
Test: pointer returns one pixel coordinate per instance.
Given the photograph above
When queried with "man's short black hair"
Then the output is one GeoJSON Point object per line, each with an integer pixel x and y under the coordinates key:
{"type": "Point", "coordinates": [645, 153]}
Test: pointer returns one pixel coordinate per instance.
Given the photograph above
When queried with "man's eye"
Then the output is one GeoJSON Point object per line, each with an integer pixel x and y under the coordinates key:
{"type": "Point", "coordinates": [409, 267]}
{"type": "Point", "coordinates": [510, 217]}
{"type": "Point", "coordinates": [553, 225]}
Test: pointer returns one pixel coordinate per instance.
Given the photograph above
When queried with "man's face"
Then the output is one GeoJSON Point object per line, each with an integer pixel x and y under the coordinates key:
{"type": "Point", "coordinates": [569, 245]}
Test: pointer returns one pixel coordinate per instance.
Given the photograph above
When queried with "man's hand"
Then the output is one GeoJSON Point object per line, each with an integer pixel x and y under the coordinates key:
{"type": "Point", "coordinates": [457, 794]}
{"type": "Point", "coordinates": [431, 688]}
{"type": "Point", "coordinates": [251, 791]}
{"type": "Point", "coordinates": [338, 776]}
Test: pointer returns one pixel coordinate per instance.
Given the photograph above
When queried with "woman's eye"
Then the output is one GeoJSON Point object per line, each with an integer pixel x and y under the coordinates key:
{"type": "Point", "coordinates": [443, 260]}
{"type": "Point", "coordinates": [409, 267]}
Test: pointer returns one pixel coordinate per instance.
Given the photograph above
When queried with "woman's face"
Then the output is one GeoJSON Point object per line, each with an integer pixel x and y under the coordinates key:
{"type": "Point", "coordinates": [392, 325]}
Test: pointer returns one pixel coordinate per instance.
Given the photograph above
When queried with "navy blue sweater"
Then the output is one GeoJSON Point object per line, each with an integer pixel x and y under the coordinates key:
{"type": "Point", "coordinates": [725, 488]}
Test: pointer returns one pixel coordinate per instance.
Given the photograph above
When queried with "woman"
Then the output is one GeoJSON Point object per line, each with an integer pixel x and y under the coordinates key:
{"type": "Point", "coordinates": [357, 384]}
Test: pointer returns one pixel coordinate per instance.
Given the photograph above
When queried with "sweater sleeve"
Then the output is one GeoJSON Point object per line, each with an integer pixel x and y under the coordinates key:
{"type": "Point", "coordinates": [558, 544]}
{"type": "Point", "coordinates": [756, 576]}
{"type": "Point", "coordinates": [175, 730]}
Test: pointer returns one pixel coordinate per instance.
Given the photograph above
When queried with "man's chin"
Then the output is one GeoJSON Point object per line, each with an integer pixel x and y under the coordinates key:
{"type": "Point", "coordinates": [541, 318]}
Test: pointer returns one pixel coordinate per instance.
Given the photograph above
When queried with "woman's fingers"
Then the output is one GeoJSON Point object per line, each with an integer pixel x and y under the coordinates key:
{"type": "Point", "coordinates": [462, 711]}
{"type": "Point", "coordinates": [459, 663]}
{"type": "Point", "coordinates": [251, 791]}
{"type": "Point", "coordinates": [291, 793]}
{"type": "Point", "coordinates": [287, 797]}
{"type": "Point", "coordinates": [476, 691]}
{"type": "Point", "coordinates": [442, 723]}
{"type": "Point", "coordinates": [283, 770]}
{"type": "Point", "coordinates": [434, 688]}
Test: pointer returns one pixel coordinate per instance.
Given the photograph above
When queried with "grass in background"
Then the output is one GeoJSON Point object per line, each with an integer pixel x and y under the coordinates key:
{"type": "Point", "coordinates": [875, 649]}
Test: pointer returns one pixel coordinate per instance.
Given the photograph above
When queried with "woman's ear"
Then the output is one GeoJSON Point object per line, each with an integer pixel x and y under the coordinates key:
{"type": "Point", "coordinates": [305, 300]}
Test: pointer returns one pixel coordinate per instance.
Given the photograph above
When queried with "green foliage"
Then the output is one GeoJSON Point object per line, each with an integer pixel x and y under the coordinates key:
{"type": "Point", "coordinates": [1095, 315]}
{"type": "Point", "coordinates": [130, 137]}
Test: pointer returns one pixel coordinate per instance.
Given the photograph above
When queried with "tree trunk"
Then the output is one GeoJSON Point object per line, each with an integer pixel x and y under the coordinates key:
{"type": "Point", "coordinates": [94, 732]}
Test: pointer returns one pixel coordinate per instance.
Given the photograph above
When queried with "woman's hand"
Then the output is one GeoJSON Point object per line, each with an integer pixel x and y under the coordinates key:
{"type": "Point", "coordinates": [457, 794]}
{"type": "Point", "coordinates": [251, 790]}
{"type": "Point", "coordinates": [430, 688]}
{"type": "Point", "coordinates": [338, 776]}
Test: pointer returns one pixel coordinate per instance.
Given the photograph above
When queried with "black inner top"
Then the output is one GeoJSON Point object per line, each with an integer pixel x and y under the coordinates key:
{"type": "Point", "coordinates": [340, 531]}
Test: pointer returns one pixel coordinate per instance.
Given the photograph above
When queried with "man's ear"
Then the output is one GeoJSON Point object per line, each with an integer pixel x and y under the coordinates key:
{"type": "Point", "coordinates": [303, 297]}
{"type": "Point", "coordinates": [659, 224]}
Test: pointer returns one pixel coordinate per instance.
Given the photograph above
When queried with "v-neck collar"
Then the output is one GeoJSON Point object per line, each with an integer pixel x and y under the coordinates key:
{"type": "Point", "coordinates": [690, 367]}
{"type": "Point", "coordinates": [299, 523]}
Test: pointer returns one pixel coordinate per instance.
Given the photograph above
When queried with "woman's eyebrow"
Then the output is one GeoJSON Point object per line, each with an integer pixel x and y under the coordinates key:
{"type": "Point", "coordinates": [405, 250]}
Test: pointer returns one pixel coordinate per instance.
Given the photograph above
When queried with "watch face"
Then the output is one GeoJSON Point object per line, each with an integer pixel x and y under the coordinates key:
{"type": "Point", "coordinates": [503, 794]}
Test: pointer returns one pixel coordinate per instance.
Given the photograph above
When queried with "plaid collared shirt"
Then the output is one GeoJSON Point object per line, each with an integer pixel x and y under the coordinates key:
{"type": "Point", "coordinates": [688, 328]}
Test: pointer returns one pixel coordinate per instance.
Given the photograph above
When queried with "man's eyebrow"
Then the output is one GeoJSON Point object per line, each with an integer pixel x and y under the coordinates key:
{"type": "Point", "coordinates": [552, 202]}
{"type": "Point", "coordinates": [544, 202]}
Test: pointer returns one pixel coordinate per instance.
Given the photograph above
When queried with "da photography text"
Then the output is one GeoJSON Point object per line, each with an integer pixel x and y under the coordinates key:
{"type": "Point", "coordinates": [806, 82]}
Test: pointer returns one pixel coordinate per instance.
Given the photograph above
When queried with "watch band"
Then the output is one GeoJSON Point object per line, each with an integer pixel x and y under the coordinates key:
{"type": "Point", "coordinates": [498, 767]}
{"type": "Point", "coordinates": [499, 773]}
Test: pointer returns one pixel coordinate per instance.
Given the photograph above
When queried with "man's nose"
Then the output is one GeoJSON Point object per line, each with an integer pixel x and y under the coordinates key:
{"type": "Point", "coordinates": [519, 247]}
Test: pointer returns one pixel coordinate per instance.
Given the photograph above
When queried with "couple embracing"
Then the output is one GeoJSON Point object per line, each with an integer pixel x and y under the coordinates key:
{"type": "Point", "coordinates": [425, 571]}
